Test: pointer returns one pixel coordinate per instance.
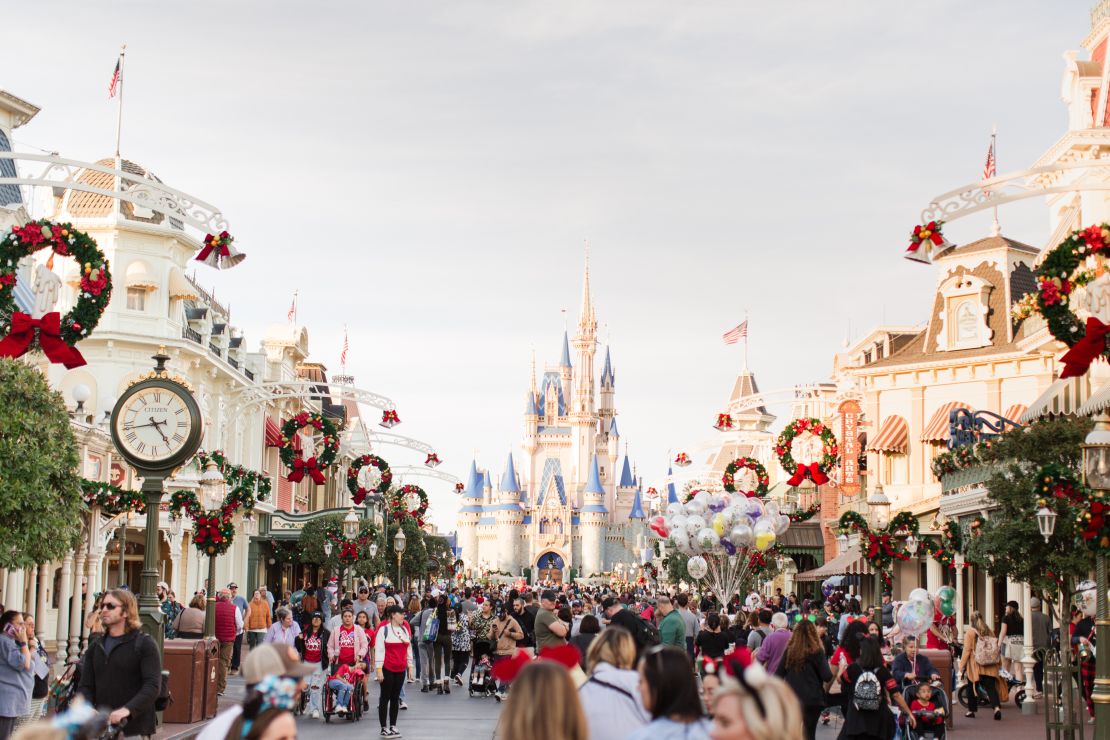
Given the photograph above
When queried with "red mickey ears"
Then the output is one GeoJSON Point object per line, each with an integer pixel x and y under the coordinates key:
{"type": "Point", "coordinates": [508, 669]}
{"type": "Point", "coordinates": [737, 661]}
{"type": "Point", "coordinates": [566, 655]}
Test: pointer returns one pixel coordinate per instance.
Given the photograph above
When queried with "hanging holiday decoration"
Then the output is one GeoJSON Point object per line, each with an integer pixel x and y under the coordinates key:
{"type": "Point", "coordinates": [242, 482]}
{"type": "Point", "coordinates": [724, 421]}
{"type": "Point", "coordinates": [346, 549]}
{"type": "Point", "coordinates": [651, 492]}
{"type": "Point", "coordinates": [746, 475]}
{"type": "Point", "coordinates": [925, 241]}
{"type": "Point", "coordinates": [213, 532]}
{"type": "Point", "coordinates": [682, 460]}
{"type": "Point", "coordinates": [286, 552]}
{"type": "Point", "coordinates": [805, 514]}
{"type": "Point", "coordinates": [409, 500]}
{"type": "Point", "coordinates": [807, 449]}
{"type": "Point", "coordinates": [961, 458]}
{"type": "Point", "coordinates": [1060, 482]}
{"type": "Point", "coordinates": [390, 418]}
{"type": "Point", "coordinates": [1093, 519]}
{"type": "Point", "coordinates": [1073, 296]}
{"type": "Point", "coordinates": [218, 251]}
{"type": "Point", "coordinates": [111, 499]}
{"type": "Point", "coordinates": [951, 543]}
{"type": "Point", "coordinates": [882, 547]}
{"type": "Point", "coordinates": [380, 477]}
{"type": "Point", "coordinates": [459, 488]}
{"type": "Point", "coordinates": [432, 460]}
{"type": "Point", "coordinates": [316, 464]}
{"type": "Point", "coordinates": [54, 334]}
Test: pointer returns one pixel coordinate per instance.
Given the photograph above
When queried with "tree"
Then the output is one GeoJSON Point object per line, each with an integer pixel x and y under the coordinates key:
{"type": "Point", "coordinates": [41, 506]}
{"type": "Point", "coordinates": [1009, 543]}
{"type": "Point", "coordinates": [414, 560]}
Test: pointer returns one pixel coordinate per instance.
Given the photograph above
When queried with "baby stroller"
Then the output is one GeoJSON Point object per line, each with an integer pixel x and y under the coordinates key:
{"type": "Point", "coordinates": [930, 725]}
{"type": "Point", "coordinates": [354, 706]}
{"type": "Point", "coordinates": [481, 673]}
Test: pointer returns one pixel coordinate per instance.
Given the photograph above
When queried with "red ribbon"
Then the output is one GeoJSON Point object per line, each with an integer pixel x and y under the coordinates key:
{"type": "Point", "coordinates": [359, 496]}
{"type": "Point", "coordinates": [22, 335]}
{"type": "Point", "coordinates": [811, 471]}
{"type": "Point", "coordinates": [350, 550]}
{"type": "Point", "coordinates": [934, 236]}
{"type": "Point", "coordinates": [1077, 359]}
{"type": "Point", "coordinates": [301, 466]}
{"type": "Point", "coordinates": [207, 251]}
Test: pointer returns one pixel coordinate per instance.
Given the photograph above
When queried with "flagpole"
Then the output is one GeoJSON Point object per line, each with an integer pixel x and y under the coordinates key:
{"type": "Point", "coordinates": [996, 227]}
{"type": "Point", "coordinates": [119, 115]}
{"type": "Point", "coordinates": [747, 331]}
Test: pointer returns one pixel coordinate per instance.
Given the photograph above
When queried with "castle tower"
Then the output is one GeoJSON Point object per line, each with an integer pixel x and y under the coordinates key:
{"type": "Point", "coordinates": [531, 416]}
{"type": "Point", "coordinates": [626, 495]}
{"type": "Point", "coordinates": [583, 417]}
{"type": "Point", "coordinates": [593, 521]}
{"type": "Point", "coordinates": [510, 519]}
{"type": "Point", "coordinates": [565, 368]}
{"type": "Point", "coordinates": [469, 514]}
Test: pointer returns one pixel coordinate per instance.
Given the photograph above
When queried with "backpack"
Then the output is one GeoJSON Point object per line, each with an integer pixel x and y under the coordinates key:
{"type": "Point", "coordinates": [308, 603]}
{"type": "Point", "coordinates": [647, 634]}
{"type": "Point", "coordinates": [986, 651]}
{"type": "Point", "coordinates": [868, 692]}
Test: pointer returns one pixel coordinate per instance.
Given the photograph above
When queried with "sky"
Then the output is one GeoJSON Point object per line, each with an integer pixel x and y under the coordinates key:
{"type": "Point", "coordinates": [427, 174]}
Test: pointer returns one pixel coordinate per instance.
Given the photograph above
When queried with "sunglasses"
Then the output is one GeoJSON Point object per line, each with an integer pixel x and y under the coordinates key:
{"type": "Point", "coordinates": [109, 606]}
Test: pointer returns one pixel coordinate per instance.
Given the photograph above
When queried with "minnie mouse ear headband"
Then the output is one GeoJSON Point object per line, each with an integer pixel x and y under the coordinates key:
{"type": "Point", "coordinates": [278, 692]}
{"type": "Point", "coordinates": [741, 667]}
{"type": "Point", "coordinates": [506, 670]}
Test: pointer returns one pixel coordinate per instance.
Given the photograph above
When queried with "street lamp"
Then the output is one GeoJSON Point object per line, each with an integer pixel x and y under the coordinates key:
{"type": "Point", "coordinates": [350, 531]}
{"type": "Point", "coordinates": [1096, 468]}
{"type": "Point", "coordinates": [373, 549]}
{"type": "Point", "coordinates": [911, 545]}
{"type": "Point", "coordinates": [250, 526]}
{"type": "Point", "coordinates": [399, 547]}
{"type": "Point", "coordinates": [1046, 522]}
{"type": "Point", "coordinates": [878, 505]}
{"type": "Point", "coordinates": [327, 549]}
{"type": "Point", "coordinates": [212, 493]}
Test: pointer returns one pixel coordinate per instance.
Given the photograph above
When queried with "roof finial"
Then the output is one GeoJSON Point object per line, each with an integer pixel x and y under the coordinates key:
{"type": "Point", "coordinates": [586, 320]}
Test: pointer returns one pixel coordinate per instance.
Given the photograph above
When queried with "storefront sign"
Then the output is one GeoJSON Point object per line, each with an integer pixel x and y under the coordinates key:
{"type": "Point", "coordinates": [849, 446]}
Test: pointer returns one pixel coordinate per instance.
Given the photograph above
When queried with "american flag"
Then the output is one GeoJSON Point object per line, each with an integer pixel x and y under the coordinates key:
{"type": "Point", "coordinates": [292, 308]}
{"type": "Point", "coordinates": [346, 346]}
{"type": "Point", "coordinates": [115, 82]}
{"type": "Point", "coordinates": [734, 335]}
{"type": "Point", "coordinates": [989, 168]}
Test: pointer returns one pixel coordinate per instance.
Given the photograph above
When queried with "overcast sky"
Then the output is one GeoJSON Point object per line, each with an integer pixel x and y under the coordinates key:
{"type": "Point", "coordinates": [427, 173]}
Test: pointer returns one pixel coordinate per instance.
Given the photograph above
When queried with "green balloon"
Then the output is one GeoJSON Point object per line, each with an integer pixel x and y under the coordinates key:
{"type": "Point", "coordinates": [947, 607]}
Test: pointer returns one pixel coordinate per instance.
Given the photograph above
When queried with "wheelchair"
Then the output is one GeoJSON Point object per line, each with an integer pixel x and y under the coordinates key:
{"type": "Point", "coordinates": [354, 706]}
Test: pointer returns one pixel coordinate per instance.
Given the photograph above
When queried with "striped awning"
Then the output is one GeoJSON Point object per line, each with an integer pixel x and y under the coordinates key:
{"type": "Point", "coordinates": [893, 436]}
{"type": "Point", "coordinates": [1015, 412]}
{"type": "Point", "coordinates": [273, 433]}
{"type": "Point", "coordinates": [1097, 403]}
{"type": "Point", "coordinates": [180, 287]}
{"type": "Point", "coordinates": [851, 563]}
{"type": "Point", "coordinates": [937, 428]}
{"type": "Point", "coordinates": [1062, 398]}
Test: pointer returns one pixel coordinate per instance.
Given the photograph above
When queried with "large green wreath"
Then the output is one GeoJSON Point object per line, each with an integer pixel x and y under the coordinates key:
{"type": "Point", "coordinates": [111, 499]}
{"type": "Point", "coordinates": [315, 465]}
{"type": "Point", "coordinates": [951, 544]}
{"type": "Point", "coordinates": [884, 546]}
{"type": "Point", "coordinates": [398, 504]}
{"type": "Point", "coordinates": [349, 549]}
{"type": "Point", "coordinates": [240, 481]}
{"type": "Point", "coordinates": [95, 285]}
{"type": "Point", "coordinates": [746, 463]}
{"type": "Point", "coordinates": [213, 529]}
{"type": "Point", "coordinates": [818, 472]}
{"type": "Point", "coordinates": [358, 493]}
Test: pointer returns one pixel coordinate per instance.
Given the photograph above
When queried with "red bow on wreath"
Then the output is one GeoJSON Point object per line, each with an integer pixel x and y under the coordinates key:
{"type": "Point", "coordinates": [812, 471]}
{"type": "Point", "coordinates": [350, 550]}
{"type": "Point", "coordinates": [218, 252]}
{"type": "Point", "coordinates": [1079, 358]}
{"type": "Point", "coordinates": [18, 342]}
{"type": "Point", "coordinates": [302, 466]}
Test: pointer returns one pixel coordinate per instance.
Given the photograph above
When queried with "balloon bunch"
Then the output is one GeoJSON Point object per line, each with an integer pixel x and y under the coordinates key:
{"type": "Point", "coordinates": [915, 616]}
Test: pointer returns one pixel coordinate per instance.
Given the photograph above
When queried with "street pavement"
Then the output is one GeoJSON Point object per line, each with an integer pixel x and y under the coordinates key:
{"type": "Point", "coordinates": [429, 717]}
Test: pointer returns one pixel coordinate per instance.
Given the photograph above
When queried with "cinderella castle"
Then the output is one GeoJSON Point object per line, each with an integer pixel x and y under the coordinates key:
{"type": "Point", "coordinates": [574, 512]}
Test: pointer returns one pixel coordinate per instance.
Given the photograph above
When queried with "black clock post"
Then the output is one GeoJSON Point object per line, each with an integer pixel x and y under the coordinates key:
{"type": "Point", "coordinates": [153, 467]}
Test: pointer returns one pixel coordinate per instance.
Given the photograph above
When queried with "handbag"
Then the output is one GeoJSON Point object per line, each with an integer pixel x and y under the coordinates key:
{"type": "Point", "coordinates": [986, 651]}
{"type": "Point", "coordinates": [431, 629]}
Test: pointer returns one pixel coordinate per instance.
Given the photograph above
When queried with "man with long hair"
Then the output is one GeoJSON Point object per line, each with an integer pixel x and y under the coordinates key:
{"type": "Point", "coordinates": [122, 668]}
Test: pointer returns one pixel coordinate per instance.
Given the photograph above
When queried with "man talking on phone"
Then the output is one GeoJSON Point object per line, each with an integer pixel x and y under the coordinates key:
{"type": "Point", "coordinates": [121, 668]}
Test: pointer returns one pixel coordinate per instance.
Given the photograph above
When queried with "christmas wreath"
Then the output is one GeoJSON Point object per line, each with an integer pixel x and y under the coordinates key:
{"type": "Point", "coordinates": [213, 530]}
{"type": "Point", "coordinates": [652, 571]}
{"type": "Point", "coordinates": [805, 514]}
{"type": "Point", "coordinates": [746, 463]}
{"type": "Point", "coordinates": [400, 506]}
{"type": "Point", "coordinates": [1061, 482]}
{"type": "Point", "coordinates": [1075, 262]}
{"type": "Point", "coordinates": [358, 492]}
{"type": "Point", "coordinates": [55, 335]}
{"type": "Point", "coordinates": [315, 465]}
{"type": "Point", "coordinates": [951, 543]}
{"type": "Point", "coordinates": [885, 546]}
{"type": "Point", "coordinates": [111, 499]}
{"type": "Point", "coordinates": [815, 471]}
{"type": "Point", "coordinates": [348, 548]}
{"type": "Point", "coordinates": [241, 482]}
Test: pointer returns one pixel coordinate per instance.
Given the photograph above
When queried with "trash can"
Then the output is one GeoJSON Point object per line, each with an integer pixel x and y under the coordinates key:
{"type": "Point", "coordinates": [942, 661]}
{"type": "Point", "coordinates": [211, 663]}
{"type": "Point", "coordinates": [185, 660]}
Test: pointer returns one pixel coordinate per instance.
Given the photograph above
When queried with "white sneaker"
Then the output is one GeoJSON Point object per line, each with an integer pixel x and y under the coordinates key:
{"type": "Point", "coordinates": [315, 714]}
{"type": "Point", "coordinates": [404, 706]}
{"type": "Point", "coordinates": [394, 732]}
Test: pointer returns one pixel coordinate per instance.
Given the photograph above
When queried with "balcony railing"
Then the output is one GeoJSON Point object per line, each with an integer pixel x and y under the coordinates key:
{"type": "Point", "coordinates": [233, 362]}
{"type": "Point", "coordinates": [191, 334]}
{"type": "Point", "coordinates": [248, 373]}
{"type": "Point", "coordinates": [214, 349]}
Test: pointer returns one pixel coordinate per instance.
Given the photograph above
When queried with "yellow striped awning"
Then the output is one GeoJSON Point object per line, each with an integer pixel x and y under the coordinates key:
{"type": "Point", "coordinates": [937, 428]}
{"type": "Point", "coordinates": [893, 436]}
{"type": "Point", "coordinates": [851, 563]}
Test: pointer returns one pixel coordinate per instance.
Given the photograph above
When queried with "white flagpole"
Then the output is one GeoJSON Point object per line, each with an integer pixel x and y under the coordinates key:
{"type": "Point", "coordinates": [747, 333]}
{"type": "Point", "coordinates": [997, 228]}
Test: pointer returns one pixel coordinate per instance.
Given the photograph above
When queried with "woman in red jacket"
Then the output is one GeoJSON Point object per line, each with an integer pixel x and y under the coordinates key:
{"type": "Point", "coordinates": [392, 660]}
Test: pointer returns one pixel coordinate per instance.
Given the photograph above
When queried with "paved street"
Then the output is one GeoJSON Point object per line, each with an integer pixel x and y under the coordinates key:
{"type": "Point", "coordinates": [429, 717]}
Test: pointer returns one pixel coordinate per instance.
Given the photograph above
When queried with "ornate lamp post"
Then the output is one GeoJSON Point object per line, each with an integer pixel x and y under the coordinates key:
{"type": "Point", "coordinates": [1096, 468]}
{"type": "Point", "coordinates": [878, 507]}
{"type": "Point", "coordinates": [399, 546]}
{"type": "Point", "coordinates": [350, 531]}
{"type": "Point", "coordinates": [212, 494]}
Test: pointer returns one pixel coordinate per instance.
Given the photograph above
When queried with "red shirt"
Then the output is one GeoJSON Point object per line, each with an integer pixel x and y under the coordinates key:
{"type": "Point", "coordinates": [313, 648]}
{"type": "Point", "coordinates": [940, 622]}
{"type": "Point", "coordinates": [346, 644]}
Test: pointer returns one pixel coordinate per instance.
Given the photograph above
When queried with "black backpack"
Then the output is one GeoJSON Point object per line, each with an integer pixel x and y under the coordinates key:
{"type": "Point", "coordinates": [647, 634]}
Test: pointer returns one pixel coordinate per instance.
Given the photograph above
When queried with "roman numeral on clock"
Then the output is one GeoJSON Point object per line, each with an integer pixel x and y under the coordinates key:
{"type": "Point", "coordinates": [140, 446]}
{"type": "Point", "coordinates": [178, 438]}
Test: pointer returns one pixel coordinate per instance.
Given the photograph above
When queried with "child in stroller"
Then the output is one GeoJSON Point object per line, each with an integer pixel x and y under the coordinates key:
{"type": "Point", "coordinates": [929, 706]}
{"type": "Point", "coordinates": [481, 674]}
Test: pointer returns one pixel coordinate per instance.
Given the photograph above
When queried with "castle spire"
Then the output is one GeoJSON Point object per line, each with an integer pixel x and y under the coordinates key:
{"type": "Point", "coordinates": [508, 480]}
{"type": "Point", "coordinates": [587, 322]}
{"type": "Point", "coordinates": [564, 361]}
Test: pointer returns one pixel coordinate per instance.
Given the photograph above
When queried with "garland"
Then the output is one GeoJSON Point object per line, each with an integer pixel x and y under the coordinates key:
{"type": "Point", "coordinates": [398, 504]}
{"type": "Point", "coordinates": [951, 543]}
{"type": "Point", "coordinates": [314, 466]}
{"type": "Point", "coordinates": [961, 458]}
{"type": "Point", "coordinates": [758, 562]}
{"type": "Point", "coordinates": [286, 552]}
{"type": "Point", "coordinates": [358, 493]}
{"type": "Point", "coordinates": [1075, 262]}
{"type": "Point", "coordinates": [805, 514]}
{"type": "Point", "coordinates": [348, 548]}
{"type": "Point", "coordinates": [746, 463]}
{"type": "Point", "coordinates": [882, 547]}
{"type": "Point", "coordinates": [241, 481]}
{"type": "Point", "coordinates": [1061, 482]}
{"type": "Point", "coordinates": [815, 471]}
{"type": "Point", "coordinates": [55, 335]}
{"type": "Point", "coordinates": [112, 499]}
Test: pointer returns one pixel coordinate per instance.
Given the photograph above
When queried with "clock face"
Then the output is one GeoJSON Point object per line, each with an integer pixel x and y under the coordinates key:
{"type": "Point", "coordinates": [154, 424]}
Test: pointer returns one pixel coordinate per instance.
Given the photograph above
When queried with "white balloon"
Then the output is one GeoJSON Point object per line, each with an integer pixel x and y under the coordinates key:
{"type": "Point", "coordinates": [706, 540]}
{"type": "Point", "coordinates": [764, 535]}
{"type": "Point", "coordinates": [696, 505]}
{"type": "Point", "coordinates": [754, 508]}
{"type": "Point", "coordinates": [781, 524]}
{"type": "Point", "coordinates": [920, 594]}
{"type": "Point", "coordinates": [677, 522]}
{"type": "Point", "coordinates": [742, 535]}
{"type": "Point", "coordinates": [771, 508]}
{"type": "Point", "coordinates": [695, 523]}
{"type": "Point", "coordinates": [680, 538]}
{"type": "Point", "coordinates": [697, 567]}
{"type": "Point", "coordinates": [726, 499]}
{"type": "Point", "coordinates": [674, 509]}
